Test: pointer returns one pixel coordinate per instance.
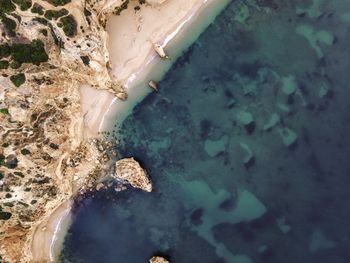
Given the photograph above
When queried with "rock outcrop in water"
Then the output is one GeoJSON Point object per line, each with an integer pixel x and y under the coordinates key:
{"type": "Point", "coordinates": [158, 260]}
{"type": "Point", "coordinates": [129, 170]}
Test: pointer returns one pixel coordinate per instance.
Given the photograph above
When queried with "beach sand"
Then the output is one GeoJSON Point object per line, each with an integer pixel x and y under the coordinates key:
{"type": "Point", "coordinates": [49, 235]}
{"type": "Point", "coordinates": [174, 25]}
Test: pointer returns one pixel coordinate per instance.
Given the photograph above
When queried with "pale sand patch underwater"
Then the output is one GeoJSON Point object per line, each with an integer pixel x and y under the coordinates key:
{"type": "Point", "coordinates": [175, 25]}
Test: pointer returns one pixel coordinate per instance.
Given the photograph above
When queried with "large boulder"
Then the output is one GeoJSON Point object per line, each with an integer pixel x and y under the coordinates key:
{"type": "Point", "coordinates": [129, 170]}
{"type": "Point", "coordinates": [158, 260]}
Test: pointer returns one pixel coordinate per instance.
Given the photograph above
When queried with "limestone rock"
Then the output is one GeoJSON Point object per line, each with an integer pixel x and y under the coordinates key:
{"type": "Point", "coordinates": [289, 85]}
{"type": "Point", "coordinates": [153, 85]}
{"type": "Point", "coordinates": [272, 122]}
{"type": "Point", "coordinates": [160, 51]}
{"type": "Point", "coordinates": [214, 147]}
{"type": "Point", "coordinates": [247, 120]}
{"type": "Point", "coordinates": [158, 260]}
{"type": "Point", "coordinates": [282, 225]}
{"type": "Point", "coordinates": [245, 117]}
{"type": "Point", "coordinates": [248, 159]}
{"type": "Point", "coordinates": [289, 137]}
{"type": "Point", "coordinates": [128, 169]}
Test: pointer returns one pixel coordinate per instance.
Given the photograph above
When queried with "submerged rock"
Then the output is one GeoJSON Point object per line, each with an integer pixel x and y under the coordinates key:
{"type": "Point", "coordinates": [128, 169]}
{"type": "Point", "coordinates": [213, 148]}
{"type": "Point", "coordinates": [247, 120]}
{"type": "Point", "coordinates": [282, 225]}
{"type": "Point", "coordinates": [248, 159]}
{"type": "Point", "coordinates": [319, 241]}
{"type": "Point", "coordinates": [272, 122]}
{"type": "Point", "coordinates": [158, 260]}
{"type": "Point", "coordinates": [323, 91]}
{"type": "Point", "coordinates": [289, 85]}
{"type": "Point", "coordinates": [289, 137]}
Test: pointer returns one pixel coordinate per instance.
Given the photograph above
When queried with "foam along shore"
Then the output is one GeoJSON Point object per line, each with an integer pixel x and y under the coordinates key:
{"type": "Point", "coordinates": [174, 25]}
{"type": "Point", "coordinates": [49, 235]}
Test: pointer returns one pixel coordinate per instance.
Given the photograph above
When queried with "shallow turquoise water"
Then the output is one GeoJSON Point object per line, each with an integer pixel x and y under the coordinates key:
{"type": "Point", "coordinates": [246, 145]}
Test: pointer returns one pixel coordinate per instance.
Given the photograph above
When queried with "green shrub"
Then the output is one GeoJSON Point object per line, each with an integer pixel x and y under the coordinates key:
{"type": "Point", "coordinates": [58, 2]}
{"type": "Point", "coordinates": [20, 174]}
{"type": "Point", "coordinates": [87, 12]}
{"type": "Point", "coordinates": [5, 50]}
{"type": "Point", "coordinates": [23, 4]}
{"type": "Point", "coordinates": [68, 25]}
{"type": "Point", "coordinates": [10, 26]}
{"type": "Point", "coordinates": [5, 145]}
{"type": "Point", "coordinates": [4, 64]}
{"type": "Point", "coordinates": [6, 6]}
{"type": "Point", "coordinates": [40, 20]}
{"type": "Point", "coordinates": [43, 31]}
{"type": "Point", "coordinates": [4, 111]}
{"type": "Point", "coordinates": [18, 79]}
{"type": "Point", "coordinates": [5, 215]}
{"type": "Point", "coordinates": [119, 9]}
{"type": "Point", "coordinates": [2, 158]}
{"type": "Point", "coordinates": [37, 9]}
{"type": "Point", "coordinates": [53, 14]}
{"type": "Point", "coordinates": [29, 53]}
{"type": "Point", "coordinates": [25, 151]}
{"type": "Point", "coordinates": [15, 64]}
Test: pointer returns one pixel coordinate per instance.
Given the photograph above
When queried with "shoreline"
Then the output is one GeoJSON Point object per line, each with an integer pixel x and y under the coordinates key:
{"type": "Point", "coordinates": [150, 67]}
{"type": "Point", "coordinates": [49, 234]}
{"type": "Point", "coordinates": [101, 109]}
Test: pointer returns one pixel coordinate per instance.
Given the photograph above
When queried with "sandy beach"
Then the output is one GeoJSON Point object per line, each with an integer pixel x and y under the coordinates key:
{"type": "Point", "coordinates": [174, 25]}
{"type": "Point", "coordinates": [49, 235]}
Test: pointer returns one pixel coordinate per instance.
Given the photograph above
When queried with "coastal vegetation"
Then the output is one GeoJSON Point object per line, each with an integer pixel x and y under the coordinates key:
{"type": "Point", "coordinates": [41, 20]}
{"type": "Point", "coordinates": [5, 215]}
{"type": "Point", "coordinates": [69, 25]}
{"type": "Point", "coordinates": [123, 6]}
{"type": "Point", "coordinates": [54, 14]}
{"type": "Point", "coordinates": [6, 7]}
{"type": "Point", "coordinates": [37, 9]}
{"type": "Point", "coordinates": [23, 4]}
{"type": "Point", "coordinates": [18, 79]}
{"type": "Point", "coordinates": [33, 53]}
{"type": "Point", "coordinates": [4, 64]}
{"type": "Point", "coordinates": [4, 111]}
{"type": "Point", "coordinates": [10, 26]}
{"type": "Point", "coordinates": [58, 2]}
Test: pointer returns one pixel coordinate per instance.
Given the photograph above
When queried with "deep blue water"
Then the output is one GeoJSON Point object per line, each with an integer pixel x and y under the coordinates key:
{"type": "Point", "coordinates": [247, 145]}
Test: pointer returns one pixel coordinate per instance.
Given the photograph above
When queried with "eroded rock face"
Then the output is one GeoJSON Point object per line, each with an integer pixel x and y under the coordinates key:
{"type": "Point", "coordinates": [158, 260]}
{"type": "Point", "coordinates": [129, 170]}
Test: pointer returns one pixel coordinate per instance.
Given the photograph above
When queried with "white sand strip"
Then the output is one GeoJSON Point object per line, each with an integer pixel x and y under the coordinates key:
{"type": "Point", "coordinates": [49, 236]}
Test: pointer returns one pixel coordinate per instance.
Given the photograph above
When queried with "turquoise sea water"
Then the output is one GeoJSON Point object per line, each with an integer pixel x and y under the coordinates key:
{"type": "Point", "coordinates": [246, 144]}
